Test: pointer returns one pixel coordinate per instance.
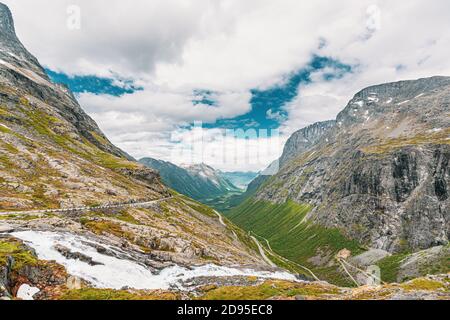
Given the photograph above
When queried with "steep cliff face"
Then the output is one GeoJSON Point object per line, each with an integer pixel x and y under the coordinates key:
{"type": "Point", "coordinates": [304, 139]}
{"type": "Point", "coordinates": [381, 173]}
{"type": "Point", "coordinates": [20, 70]}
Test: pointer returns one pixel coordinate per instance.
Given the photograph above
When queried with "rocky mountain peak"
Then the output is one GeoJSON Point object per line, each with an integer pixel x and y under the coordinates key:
{"type": "Point", "coordinates": [12, 50]}
{"type": "Point", "coordinates": [6, 21]}
{"type": "Point", "coordinates": [304, 139]}
{"type": "Point", "coordinates": [396, 98]}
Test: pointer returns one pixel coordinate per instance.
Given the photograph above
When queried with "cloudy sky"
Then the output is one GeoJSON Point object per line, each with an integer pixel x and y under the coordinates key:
{"type": "Point", "coordinates": [159, 74]}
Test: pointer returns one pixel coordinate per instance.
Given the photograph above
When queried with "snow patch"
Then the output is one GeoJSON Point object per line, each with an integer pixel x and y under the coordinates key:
{"type": "Point", "coordinates": [359, 103]}
{"type": "Point", "coordinates": [419, 95]}
{"type": "Point", "coordinates": [118, 273]}
{"type": "Point", "coordinates": [389, 101]}
{"type": "Point", "coordinates": [27, 292]}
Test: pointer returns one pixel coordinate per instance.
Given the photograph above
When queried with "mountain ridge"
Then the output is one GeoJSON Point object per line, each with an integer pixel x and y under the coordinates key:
{"type": "Point", "coordinates": [199, 181]}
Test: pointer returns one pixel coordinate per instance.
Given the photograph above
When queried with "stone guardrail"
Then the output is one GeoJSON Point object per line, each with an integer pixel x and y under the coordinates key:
{"type": "Point", "coordinates": [83, 209]}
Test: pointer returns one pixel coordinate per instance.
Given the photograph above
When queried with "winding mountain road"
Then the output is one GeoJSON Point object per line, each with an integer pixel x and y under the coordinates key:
{"type": "Point", "coordinates": [260, 248]}
{"type": "Point", "coordinates": [283, 258]}
{"type": "Point", "coordinates": [220, 218]}
{"type": "Point", "coordinates": [85, 209]}
{"type": "Point", "coordinates": [262, 253]}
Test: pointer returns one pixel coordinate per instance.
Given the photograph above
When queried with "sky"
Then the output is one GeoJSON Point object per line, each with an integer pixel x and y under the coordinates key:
{"type": "Point", "coordinates": [226, 82]}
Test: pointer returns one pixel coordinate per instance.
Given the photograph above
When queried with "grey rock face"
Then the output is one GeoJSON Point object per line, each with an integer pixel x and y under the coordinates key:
{"type": "Point", "coordinates": [5, 280]}
{"type": "Point", "coordinates": [304, 139]}
{"type": "Point", "coordinates": [11, 49]}
{"type": "Point", "coordinates": [381, 174]}
{"type": "Point", "coordinates": [369, 258]}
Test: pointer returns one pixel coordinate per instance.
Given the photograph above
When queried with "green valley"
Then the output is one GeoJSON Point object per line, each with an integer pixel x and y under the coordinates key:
{"type": "Point", "coordinates": [292, 236]}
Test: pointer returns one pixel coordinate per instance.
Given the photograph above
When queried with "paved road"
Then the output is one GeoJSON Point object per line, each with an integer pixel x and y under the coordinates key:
{"type": "Point", "coordinates": [220, 218]}
{"type": "Point", "coordinates": [262, 253]}
{"type": "Point", "coordinates": [260, 248]}
{"type": "Point", "coordinates": [84, 209]}
{"type": "Point", "coordinates": [284, 259]}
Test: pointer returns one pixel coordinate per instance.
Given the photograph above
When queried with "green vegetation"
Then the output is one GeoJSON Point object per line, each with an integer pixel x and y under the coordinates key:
{"type": "Point", "coordinates": [109, 294]}
{"type": "Point", "coordinates": [101, 227]}
{"type": "Point", "coordinates": [21, 256]}
{"type": "Point", "coordinates": [390, 266]}
{"type": "Point", "coordinates": [105, 226]}
{"type": "Point", "coordinates": [424, 284]}
{"type": "Point", "coordinates": [440, 137]}
{"type": "Point", "coordinates": [125, 216]}
{"type": "Point", "coordinates": [4, 129]}
{"type": "Point", "coordinates": [199, 207]}
{"type": "Point", "coordinates": [268, 290]}
{"type": "Point", "coordinates": [20, 217]}
{"type": "Point", "coordinates": [99, 138]}
{"type": "Point", "coordinates": [207, 211]}
{"type": "Point", "coordinates": [294, 238]}
{"type": "Point", "coordinates": [122, 215]}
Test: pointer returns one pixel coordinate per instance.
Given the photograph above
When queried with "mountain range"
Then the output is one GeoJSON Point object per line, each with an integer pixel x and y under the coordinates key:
{"type": "Point", "coordinates": [82, 219]}
{"type": "Point", "coordinates": [200, 182]}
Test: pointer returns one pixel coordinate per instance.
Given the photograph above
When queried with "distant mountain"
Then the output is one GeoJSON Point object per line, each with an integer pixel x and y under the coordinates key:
{"type": "Point", "coordinates": [200, 181]}
{"type": "Point", "coordinates": [239, 179]}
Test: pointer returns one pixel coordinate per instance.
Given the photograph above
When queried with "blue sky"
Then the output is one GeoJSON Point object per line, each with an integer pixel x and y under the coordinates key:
{"type": "Point", "coordinates": [267, 105]}
{"type": "Point", "coordinates": [93, 84]}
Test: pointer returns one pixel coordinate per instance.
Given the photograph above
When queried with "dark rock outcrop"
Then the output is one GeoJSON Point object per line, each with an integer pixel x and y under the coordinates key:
{"type": "Point", "coordinates": [66, 252]}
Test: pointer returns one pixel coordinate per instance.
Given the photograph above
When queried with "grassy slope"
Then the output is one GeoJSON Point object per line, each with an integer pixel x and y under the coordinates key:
{"type": "Point", "coordinates": [39, 136]}
{"type": "Point", "coordinates": [390, 266]}
{"type": "Point", "coordinates": [298, 241]}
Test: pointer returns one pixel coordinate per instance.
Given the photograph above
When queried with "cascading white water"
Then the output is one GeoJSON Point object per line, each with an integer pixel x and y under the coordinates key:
{"type": "Point", "coordinates": [118, 273]}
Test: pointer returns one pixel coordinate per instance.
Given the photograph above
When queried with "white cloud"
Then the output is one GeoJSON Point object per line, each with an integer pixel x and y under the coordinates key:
{"type": "Point", "coordinates": [230, 46]}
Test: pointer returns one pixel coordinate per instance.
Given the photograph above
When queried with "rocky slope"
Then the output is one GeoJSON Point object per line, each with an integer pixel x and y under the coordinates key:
{"type": "Point", "coordinates": [378, 177]}
{"type": "Point", "coordinates": [200, 182]}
